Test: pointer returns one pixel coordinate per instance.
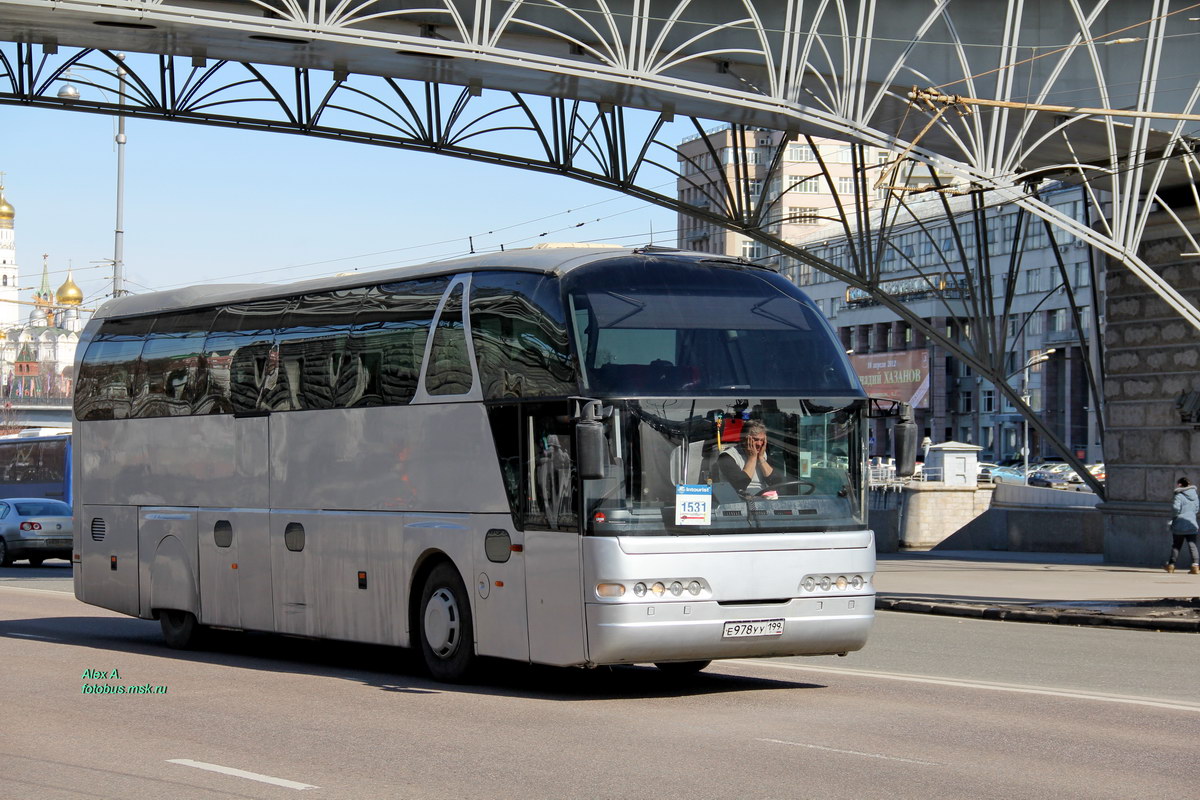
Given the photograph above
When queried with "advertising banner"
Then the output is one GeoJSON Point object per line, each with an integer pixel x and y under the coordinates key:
{"type": "Point", "coordinates": [902, 375]}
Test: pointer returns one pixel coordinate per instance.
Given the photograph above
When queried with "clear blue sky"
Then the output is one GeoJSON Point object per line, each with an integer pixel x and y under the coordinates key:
{"type": "Point", "coordinates": [209, 205]}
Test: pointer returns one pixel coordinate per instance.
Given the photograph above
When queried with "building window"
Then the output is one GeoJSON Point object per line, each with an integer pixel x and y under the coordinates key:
{"type": "Point", "coordinates": [1036, 325]}
{"type": "Point", "coordinates": [800, 152]}
{"type": "Point", "coordinates": [966, 402]}
{"type": "Point", "coordinates": [846, 185]}
{"type": "Point", "coordinates": [751, 250]}
{"type": "Point", "coordinates": [802, 215]}
{"type": "Point", "coordinates": [808, 186]}
{"type": "Point", "coordinates": [987, 401]}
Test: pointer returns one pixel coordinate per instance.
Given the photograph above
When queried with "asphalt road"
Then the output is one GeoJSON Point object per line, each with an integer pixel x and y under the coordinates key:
{"type": "Point", "coordinates": [935, 707]}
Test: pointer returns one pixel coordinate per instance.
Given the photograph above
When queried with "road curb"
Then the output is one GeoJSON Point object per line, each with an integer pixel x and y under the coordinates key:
{"type": "Point", "coordinates": [1175, 616]}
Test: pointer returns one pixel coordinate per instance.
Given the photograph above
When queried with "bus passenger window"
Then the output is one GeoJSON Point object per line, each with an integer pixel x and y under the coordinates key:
{"type": "Point", "coordinates": [383, 355]}
{"type": "Point", "coordinates": [106, 373]}
{"type": "Point", "coordinates": [311, 341]}
{"type": "Point", "coordinates": [171, 365]}
{"type": "Point", "coordinates": [449, 370]}
{"type": "Point", "coordinates": [519, 332]}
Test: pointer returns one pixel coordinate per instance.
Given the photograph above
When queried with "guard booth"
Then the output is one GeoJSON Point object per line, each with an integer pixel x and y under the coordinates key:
{"type": "Point", "coordinates": [957, 463]}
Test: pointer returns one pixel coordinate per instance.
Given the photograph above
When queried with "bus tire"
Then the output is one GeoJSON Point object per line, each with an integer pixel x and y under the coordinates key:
{"type": "Point", "coordinates": [5, 556]}
{"type": "Point", "coordinates": [180, 629]}
{"type": "Point", "coordinates": [682, 667]}
{"type": "Point", "coordinates": [445, 629]}
{"type": "Point", "coordinates": [35, 561]}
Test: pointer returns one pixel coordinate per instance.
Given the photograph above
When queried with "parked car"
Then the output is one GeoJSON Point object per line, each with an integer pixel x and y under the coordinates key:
{"type": "Point", "coordinates": [1007, 475]}
{"type": "Point", "coordinates": [1049, 477]}
{"type": "Point", "coordinates": [1098, 472]}
{"type": "Point", "coordinates": [34, 528]}
{"type": "Point", "coordinates": [984, 471]}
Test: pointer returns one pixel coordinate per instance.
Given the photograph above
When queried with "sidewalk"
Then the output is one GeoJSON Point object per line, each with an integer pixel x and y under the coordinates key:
{"type": "Point", "coordinates": [1063, 588]}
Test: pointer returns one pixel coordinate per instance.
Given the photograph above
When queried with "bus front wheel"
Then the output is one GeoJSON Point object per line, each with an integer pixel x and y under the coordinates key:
{"type": "Point", "coordinates": [446, 632]}
{"type": "Point", "coordinates": [179, 628]}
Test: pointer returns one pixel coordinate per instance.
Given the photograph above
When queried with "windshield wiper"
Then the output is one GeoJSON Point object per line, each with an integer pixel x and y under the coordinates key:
{"type": "Point", "coordinates": [638, 305]}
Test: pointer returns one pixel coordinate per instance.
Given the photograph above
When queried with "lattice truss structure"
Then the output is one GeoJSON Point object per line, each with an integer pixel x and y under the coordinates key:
{"type": "Point", "coordinates": [995, 98]}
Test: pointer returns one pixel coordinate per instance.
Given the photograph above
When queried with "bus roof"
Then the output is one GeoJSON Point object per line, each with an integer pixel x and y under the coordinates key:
{"type": "Point", "coordinates": [554, 260]}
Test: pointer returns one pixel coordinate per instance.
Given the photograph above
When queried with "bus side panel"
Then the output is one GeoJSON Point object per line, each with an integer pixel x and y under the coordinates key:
{"type": "Point", "coordinates": [214, 460]}
{"type": "Point", "coordinates": [554, 575]}
{"type": "Point", "coordinates": [168, 560]}
{"type": "Point", "coordinates": [294, 569]}
{"type": "Point", "coordinates": [235, 580]}
{"type": "Point", "coordinates": [499, 587]}
{"type": "Point", "coordinates": [108, 566]}
{"type": "Point", "coordinates": [220, 535]}
{"type": "Point", "coordinates": [391, 458]}
{"type": "Point", "coordinates": [360, 576]}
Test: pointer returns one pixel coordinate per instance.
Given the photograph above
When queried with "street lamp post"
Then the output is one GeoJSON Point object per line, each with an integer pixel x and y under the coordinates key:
{"type": "Point", "coordinates": [119, 233]}
{"type": "Point", "coordinates": [1038, 359]}
{"type": "Point", "coordinates": [69, 91]}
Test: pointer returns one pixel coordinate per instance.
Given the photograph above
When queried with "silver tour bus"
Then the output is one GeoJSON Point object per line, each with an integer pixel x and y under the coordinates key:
{"type": "Point", "coordinates": [565, 456]}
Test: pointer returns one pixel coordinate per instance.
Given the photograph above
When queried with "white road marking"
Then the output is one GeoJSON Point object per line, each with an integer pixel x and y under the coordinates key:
{"type": "Point", "coordinates": [69, 592]}
{"type": "Point", "coordinates": [241, 773]}
{"type": "Point", "coordinates": [852, 752]}
{"type": "Point", "coordinates": [32, 636]}
{"type": "Point", "coordinates": [1073, 694]}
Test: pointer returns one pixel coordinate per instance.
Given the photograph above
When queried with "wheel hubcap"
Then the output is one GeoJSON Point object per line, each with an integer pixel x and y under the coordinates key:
{"type": "Point", "coordinates": [442, 623]}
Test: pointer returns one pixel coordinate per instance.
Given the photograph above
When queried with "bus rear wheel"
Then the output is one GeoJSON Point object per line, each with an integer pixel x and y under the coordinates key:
{"type": "Point", "coordinates": [445, 629]}
{"type": "Point", "coordinates": [682, 667]}
{"type": "Point", "coordinates": [179, 628]}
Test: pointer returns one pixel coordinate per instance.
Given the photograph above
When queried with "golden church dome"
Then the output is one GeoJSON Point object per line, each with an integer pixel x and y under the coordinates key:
{"type": "Point", "coordinates": [69, 294]}
{"type": "Point", "coordinates": [6, 209]}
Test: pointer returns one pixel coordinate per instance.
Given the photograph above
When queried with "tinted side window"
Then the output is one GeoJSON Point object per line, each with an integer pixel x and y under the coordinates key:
{"type": "Point", "coordinates": [171, 357]}
{"type": "Point", "coordinates": [383, 356]}
{"type": "Point", "coordinates": [520, 336]}
{"type": "Point", "coordinates": [240, 357]}
{"type": "Point", "coordinates": [312, 344]}
{"type": "Point", "coordinates": [449, 370]}
{"type": "Point", "coordinates": [106, 374]}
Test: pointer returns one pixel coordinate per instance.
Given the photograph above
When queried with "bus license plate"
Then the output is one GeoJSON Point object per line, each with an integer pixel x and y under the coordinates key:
{"type": "Point", "coordinates": [752, 627]}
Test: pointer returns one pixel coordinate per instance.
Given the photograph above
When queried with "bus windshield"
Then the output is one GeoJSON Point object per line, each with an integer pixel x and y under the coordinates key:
{"type": "Point", "coordinates": [666, 326]}
{"type": "Point", "coordinates": [660, 449]}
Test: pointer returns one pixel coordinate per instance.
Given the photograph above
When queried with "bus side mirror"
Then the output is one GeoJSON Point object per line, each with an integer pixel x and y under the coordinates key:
{"type": "Point", "coordinates": [591, 449]}
{"type": "Point", "coordinates": [904, 438]}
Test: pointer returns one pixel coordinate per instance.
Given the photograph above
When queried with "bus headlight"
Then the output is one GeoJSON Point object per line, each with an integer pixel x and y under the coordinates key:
{"type": "Point", "coordinates": [810, 583]}
{"type": "Point", "coordinates": [676, 588]}
{"type": "Point", "coordinates": [857, 582]}
{"type": "Point", "coordinates": [826, 582]}
{"type": "Point", "coordinates": [659, 589]}
{"type": "Point", "coordinates": [694, 587]}
{"type": "Point", "coordinates": [841, 582]}
{"type": "Point", "coordinates": [610, 590]}
{"type": "Point", "coordinates": [639, 589]}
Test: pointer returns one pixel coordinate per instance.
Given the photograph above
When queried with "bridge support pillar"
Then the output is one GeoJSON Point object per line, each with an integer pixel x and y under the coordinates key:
{"type": "Point", "coordinates": [1151, 359]}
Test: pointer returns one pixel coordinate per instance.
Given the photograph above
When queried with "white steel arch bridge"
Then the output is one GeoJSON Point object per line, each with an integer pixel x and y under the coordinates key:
{"type": "Point", "coordinates": [1009, 94]}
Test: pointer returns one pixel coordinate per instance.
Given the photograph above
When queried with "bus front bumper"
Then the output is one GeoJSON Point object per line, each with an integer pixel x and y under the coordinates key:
{"type": "Point", "coordinates": [626, 633]}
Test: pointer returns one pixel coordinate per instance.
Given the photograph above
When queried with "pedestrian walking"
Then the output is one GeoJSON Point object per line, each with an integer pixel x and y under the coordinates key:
{"type": "Point", "coordinates": [1183, 524]}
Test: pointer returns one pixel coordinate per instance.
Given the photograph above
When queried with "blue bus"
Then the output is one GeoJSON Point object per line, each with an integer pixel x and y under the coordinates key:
{"type": "Point", "coordinates": [36, 465]}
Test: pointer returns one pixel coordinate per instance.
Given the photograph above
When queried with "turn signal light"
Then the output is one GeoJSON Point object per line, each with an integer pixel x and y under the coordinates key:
{"type": "Point", "coordinates": [676, 588]}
